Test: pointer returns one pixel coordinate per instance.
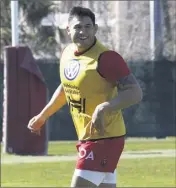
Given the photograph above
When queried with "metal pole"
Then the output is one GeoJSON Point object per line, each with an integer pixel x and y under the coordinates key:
{"type": "Point", "coordinates": [156, 29]}
{"type": "Point", "coordinates": [117, 29]}
{"type": "Point", "coordinates": [152, 27]}
{"type": "Point", "coordinates": [14, 22]}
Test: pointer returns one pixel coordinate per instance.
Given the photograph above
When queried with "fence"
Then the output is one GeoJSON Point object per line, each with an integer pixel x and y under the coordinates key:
{"type": "Point", "coordinates": [154, 116]}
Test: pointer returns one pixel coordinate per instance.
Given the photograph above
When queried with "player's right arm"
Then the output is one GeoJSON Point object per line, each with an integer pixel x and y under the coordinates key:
{"type": "Point", "coordinates": [57, 101]}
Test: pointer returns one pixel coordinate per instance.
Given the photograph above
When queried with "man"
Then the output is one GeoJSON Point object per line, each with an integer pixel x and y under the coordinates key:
{"type": "Point", "coordinates": [96, 95]}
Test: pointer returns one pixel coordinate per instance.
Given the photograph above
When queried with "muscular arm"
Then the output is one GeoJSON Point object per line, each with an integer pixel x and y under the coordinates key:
{"type": "Point", "coordinates": [115, 70]}
{"type": "Point", "coordinates": [56, 102]}
{"type": "Point", "coordinates": [129, 93]}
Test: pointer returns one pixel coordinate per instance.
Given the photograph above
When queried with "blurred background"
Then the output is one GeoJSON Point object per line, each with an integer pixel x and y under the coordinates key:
{"type": "Point", "coordinates": [145, 36]}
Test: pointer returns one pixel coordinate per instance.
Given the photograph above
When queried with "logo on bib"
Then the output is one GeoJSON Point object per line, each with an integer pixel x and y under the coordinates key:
{"type": "Point", "coordinates": [71, 70]}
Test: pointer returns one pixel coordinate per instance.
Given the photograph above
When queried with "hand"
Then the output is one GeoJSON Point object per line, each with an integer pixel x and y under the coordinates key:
{"type": "Point", "coordinates": [36, 123]}
{"type": "Point", "coordinates": [97, 122]}
{"type": "Point", "coordinates": [37, 132]}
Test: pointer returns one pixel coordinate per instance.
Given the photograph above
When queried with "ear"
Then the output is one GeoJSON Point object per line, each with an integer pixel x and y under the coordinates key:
{"type": "Point", "coordinates": [96, 28]}
{"type": "Point", "coordinates": [68, 30]}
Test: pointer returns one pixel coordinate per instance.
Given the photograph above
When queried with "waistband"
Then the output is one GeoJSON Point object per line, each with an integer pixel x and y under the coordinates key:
{"type": "Point", "coordinates": [93, 140]}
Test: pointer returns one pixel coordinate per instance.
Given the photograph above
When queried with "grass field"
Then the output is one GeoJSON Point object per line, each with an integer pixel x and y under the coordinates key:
{"type": "Point", "coordinates": [68, 148]}
{"type": "Point", "coordinates": [148, 172]}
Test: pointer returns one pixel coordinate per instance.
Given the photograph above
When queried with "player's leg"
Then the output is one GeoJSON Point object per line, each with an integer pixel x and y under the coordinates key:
{"type": "Point", "coordinates": [91, 170]}
{"type": "Point", "coordinates": [117, 146]}
{"type": "Point", "coordinates": [107, 185]}
{"type": "Point", "coordinates": [87, 178]}
{"type": "Point", "coordinates": [78, 181]}
{"type": "Point", "coordinates": [87, 173]}
{"type": "Point", "coordinates": [109, 181]}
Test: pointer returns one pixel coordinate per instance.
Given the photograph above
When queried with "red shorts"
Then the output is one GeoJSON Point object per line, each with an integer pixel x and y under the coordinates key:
{"type": "Point", "coordinates": [100, 155]}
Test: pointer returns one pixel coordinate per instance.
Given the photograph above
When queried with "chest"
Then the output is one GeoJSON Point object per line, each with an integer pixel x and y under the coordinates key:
{"type": "Point", "coordinates": [81, 74]}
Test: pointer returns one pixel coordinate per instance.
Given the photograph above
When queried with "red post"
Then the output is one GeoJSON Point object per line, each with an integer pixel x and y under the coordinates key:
{"type": "Point", "coordinates": [25, 94]}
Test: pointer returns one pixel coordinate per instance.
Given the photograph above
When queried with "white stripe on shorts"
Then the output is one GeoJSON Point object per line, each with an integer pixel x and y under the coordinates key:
{"type": "Point", "coordinates": [96, 177]}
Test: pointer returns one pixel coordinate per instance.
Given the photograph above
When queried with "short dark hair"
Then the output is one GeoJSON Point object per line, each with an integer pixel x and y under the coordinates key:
{"type": "Point", "coordinates": [81, 12]}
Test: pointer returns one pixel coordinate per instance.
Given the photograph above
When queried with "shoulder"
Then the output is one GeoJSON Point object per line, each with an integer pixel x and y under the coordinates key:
{"type": "Point", "coordinates": [101, 46]}
{"type": "Point", "coordinates": [67, 50]}
{"type": "Point", "coordinates": [112, 66]}
{"type": "Point", "coordinates": [111, 55]}
{"type": "Point", "coordinates": [69, 47]}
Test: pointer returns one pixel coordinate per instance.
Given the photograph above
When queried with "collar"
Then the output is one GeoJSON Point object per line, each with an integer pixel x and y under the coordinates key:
{"type": "Point", "coordinates": [80, 53]}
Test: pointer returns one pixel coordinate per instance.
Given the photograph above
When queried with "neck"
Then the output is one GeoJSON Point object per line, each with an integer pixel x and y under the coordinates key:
{"type": "Point", "coordinates": [79, 51]}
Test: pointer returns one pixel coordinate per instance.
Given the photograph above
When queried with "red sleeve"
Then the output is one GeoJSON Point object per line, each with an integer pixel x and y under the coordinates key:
{"type": "Point", "coordinates": [112, 66]}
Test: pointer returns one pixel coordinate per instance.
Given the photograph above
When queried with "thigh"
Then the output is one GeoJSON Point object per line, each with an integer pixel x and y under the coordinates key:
{"type": "Point", "coordinates": [87, 178]}
{"type": "Point", "coordinates": [107, 185]}
{"type": "Point", "coordinates": [110, 180]}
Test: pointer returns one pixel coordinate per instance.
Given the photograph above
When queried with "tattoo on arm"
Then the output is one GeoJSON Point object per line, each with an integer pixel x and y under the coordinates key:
{"type": "Point", "coordinates": [127, 82]}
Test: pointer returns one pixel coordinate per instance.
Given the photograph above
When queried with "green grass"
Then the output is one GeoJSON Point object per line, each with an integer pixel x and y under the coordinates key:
{"type": "Point", "coordinates": [153, 172]}
{"type": "Point", "coordinates": [41, 174]}
{"type": "Point", "coordinates": [62, 148]}
{"type": "Point", "coordinates": [148, 144]}
{"type": "Point", "coordinates": [68, 148]}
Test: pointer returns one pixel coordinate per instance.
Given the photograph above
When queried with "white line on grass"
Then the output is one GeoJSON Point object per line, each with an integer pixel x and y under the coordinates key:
{"type": "Point", "coordinates": [15, 159]}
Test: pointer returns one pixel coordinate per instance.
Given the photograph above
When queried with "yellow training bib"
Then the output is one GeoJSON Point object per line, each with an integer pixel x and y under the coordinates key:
{"type": "Point", "coordinates": [85, 89]}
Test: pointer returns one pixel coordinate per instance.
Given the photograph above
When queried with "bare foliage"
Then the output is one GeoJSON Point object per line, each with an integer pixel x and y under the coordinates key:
{"type": "Point", "coordinates": [31, 32]}
{"type": "Point", "coordinates": [123, 26]}
{"type": "Point", "coordinates": [5, 26]}
{"type": "Point", "coordinates": [169, 8]}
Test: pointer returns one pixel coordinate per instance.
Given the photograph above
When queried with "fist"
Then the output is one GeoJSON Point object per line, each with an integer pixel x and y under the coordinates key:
{"type": "Point", "coordinates": [97, 121]}
{"type": "Point", "coordinates": [36, 123]}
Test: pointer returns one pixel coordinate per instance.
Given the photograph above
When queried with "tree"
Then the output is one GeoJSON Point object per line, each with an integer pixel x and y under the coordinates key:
{"type": "Point", "coordinates": [39, 38]}
{"type": "Point", "coordinates": [169, 26]}
{"type": "Point", "coordinates": [5, 25]}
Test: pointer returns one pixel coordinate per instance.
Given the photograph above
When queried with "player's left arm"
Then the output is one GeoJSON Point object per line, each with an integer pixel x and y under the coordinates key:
{"type": "Point", "coordinates": [129, 93]}
{"type": "Point", "coordinates": [129, 90]}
